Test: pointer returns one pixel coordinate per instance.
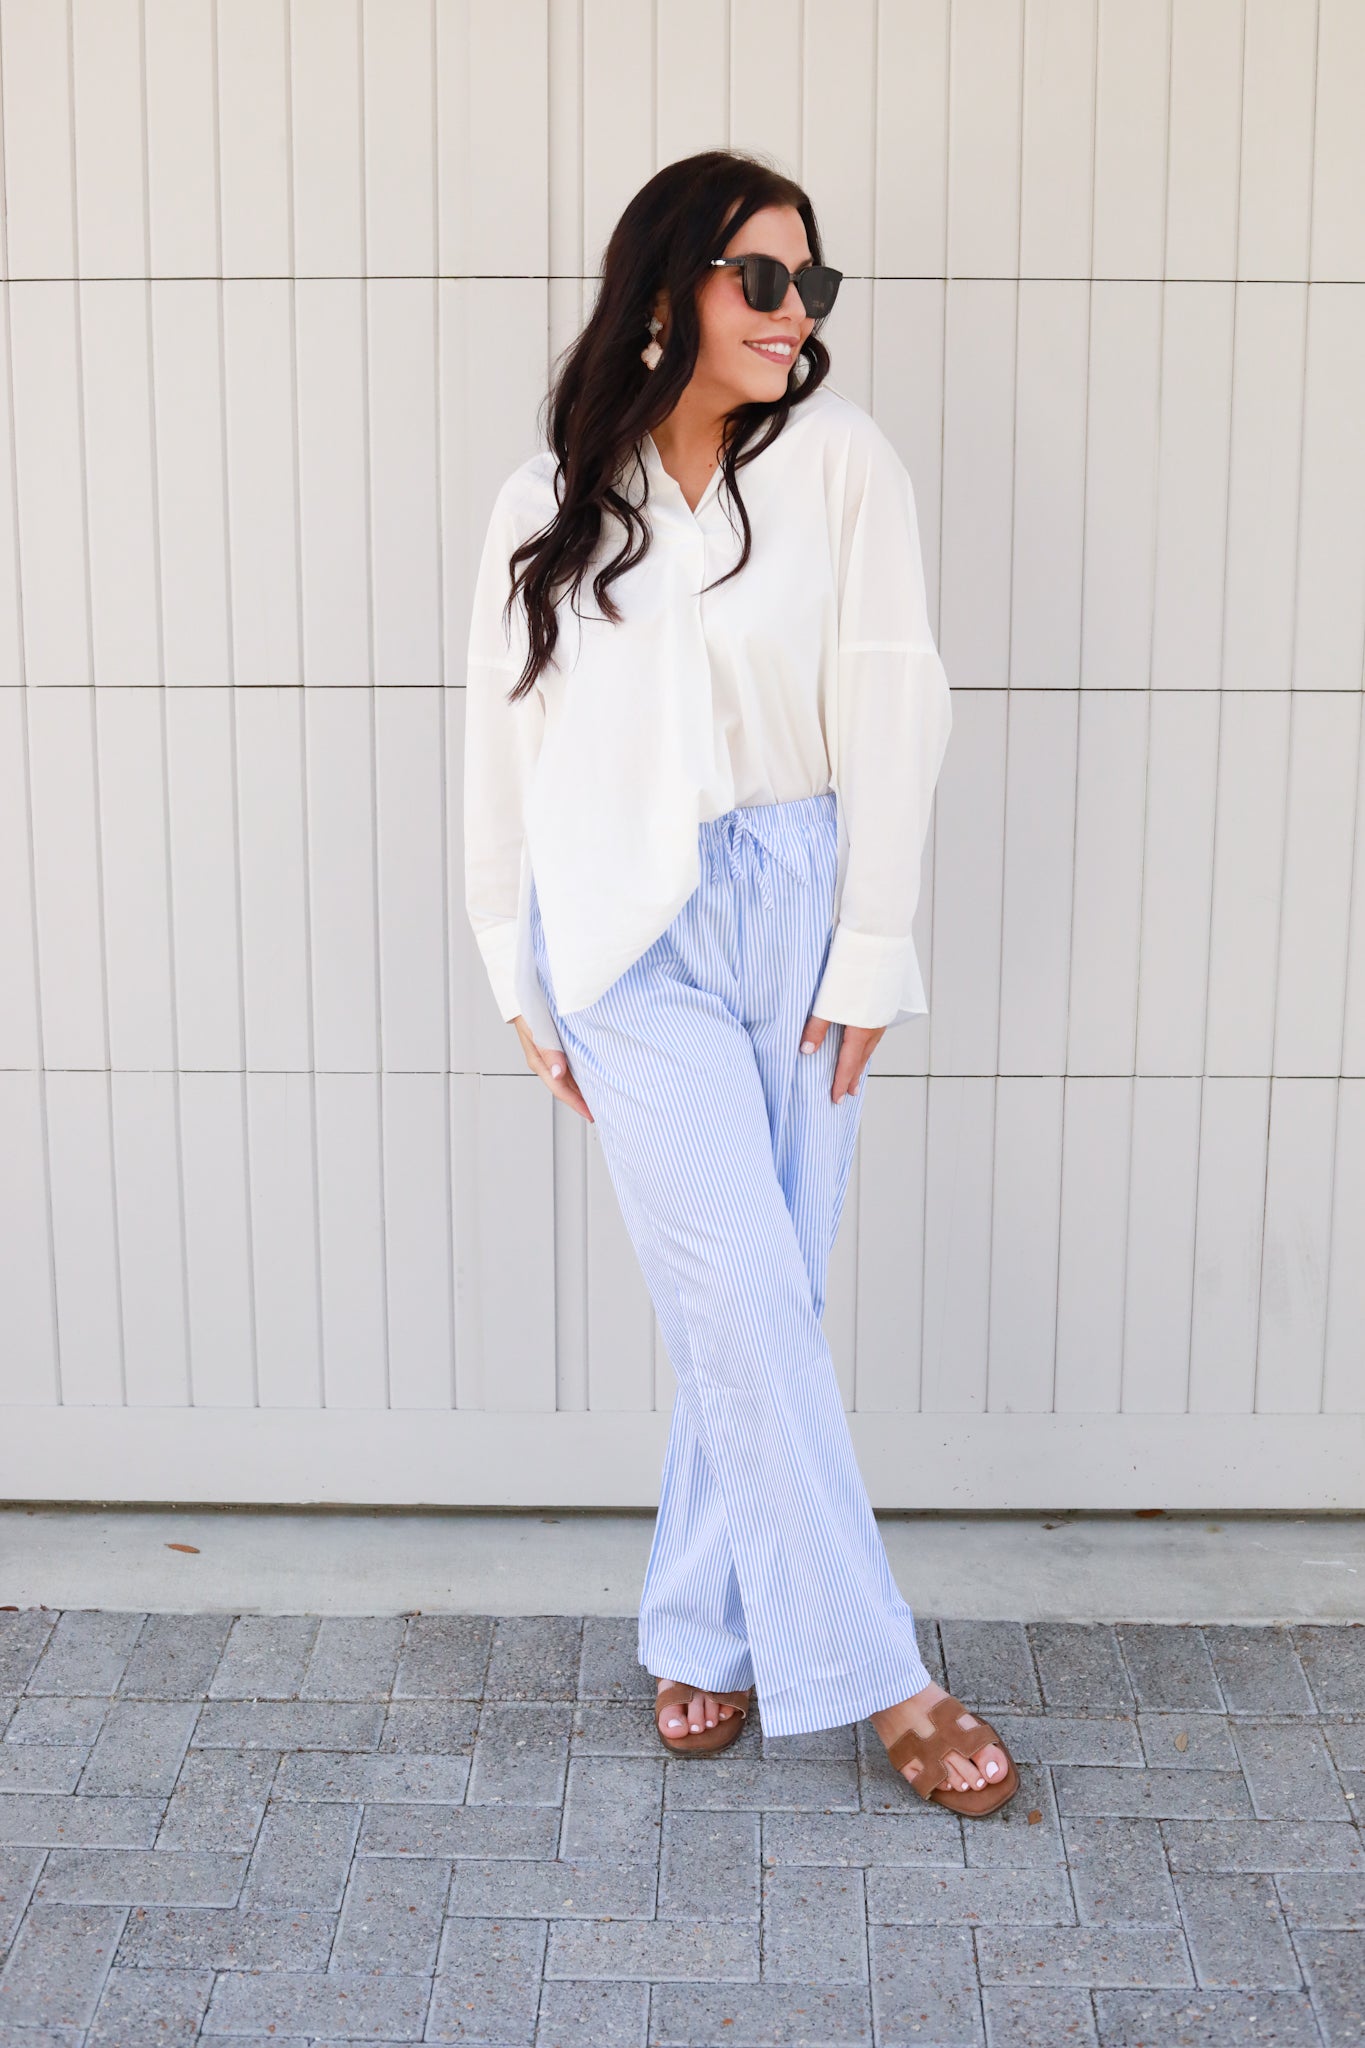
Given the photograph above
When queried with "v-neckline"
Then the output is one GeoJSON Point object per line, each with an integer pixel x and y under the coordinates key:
{"type": "Point", "coordinates": [710, 485]}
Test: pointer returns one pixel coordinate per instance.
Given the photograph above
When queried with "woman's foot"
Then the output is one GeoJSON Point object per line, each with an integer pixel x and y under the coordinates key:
{"type": "Point", "coordinates": [968, 1770]}
{"type": "Point", "coordinates": [703, 1711]}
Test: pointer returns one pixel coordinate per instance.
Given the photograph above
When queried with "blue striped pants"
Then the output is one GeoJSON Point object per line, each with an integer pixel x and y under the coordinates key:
{"type": "Point", "coordinates": [730, 1162]}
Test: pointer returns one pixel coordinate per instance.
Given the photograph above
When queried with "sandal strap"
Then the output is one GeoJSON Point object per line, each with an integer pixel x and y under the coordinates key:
{"type": "Point", "coordinates": [930, 1751]}
{"type": "Point", "coordinates": [675, 1694]}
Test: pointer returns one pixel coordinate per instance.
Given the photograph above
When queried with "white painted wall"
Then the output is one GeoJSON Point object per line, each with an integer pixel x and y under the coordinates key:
{"type": "Point", "coordinates": [283, 1215]}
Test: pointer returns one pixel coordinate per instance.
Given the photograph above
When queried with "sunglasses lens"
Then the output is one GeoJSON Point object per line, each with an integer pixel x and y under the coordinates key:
{"type": "Point", "coordinates": [765, 282]}
{"type": "Point", "coordinates": [819, 287]}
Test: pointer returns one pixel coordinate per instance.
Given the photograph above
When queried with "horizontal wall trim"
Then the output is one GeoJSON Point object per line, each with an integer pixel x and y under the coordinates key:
{"type": "Point", "coordinates": [438, 1458]}
{"type": "Point", "coordinates": [382, 1073]}
{"type": "Point", "coordinates": [455, 687]}
{"type": "Point", "coordinates": [591, 277]}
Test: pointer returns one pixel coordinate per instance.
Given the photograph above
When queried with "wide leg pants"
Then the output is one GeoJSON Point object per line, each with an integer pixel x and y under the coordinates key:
{"type": "Point", "coordinates": [730, 1162]}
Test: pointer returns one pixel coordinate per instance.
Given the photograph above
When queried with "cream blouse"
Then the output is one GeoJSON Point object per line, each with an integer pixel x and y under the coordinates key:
{"type": "Point", "coordinates": [813, 669]}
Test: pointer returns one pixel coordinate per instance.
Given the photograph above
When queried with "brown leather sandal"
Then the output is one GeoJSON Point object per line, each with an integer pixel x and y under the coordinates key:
{"type": "Point", "coordinates": [703, 1740]}
{"type": "Point", "coordinates": [954, 1728]}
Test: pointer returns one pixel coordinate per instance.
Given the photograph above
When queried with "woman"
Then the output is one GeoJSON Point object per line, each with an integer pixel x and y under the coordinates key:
{"type": "Point", "coordinates": [696, 796]}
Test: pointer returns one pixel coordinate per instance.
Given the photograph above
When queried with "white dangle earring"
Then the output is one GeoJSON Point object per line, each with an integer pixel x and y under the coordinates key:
{"type": "Point", "coordinates": [651, 352]}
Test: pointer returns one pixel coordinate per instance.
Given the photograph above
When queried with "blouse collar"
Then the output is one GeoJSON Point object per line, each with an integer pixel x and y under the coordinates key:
{"type": "Point", "coordinates": [661, 479]}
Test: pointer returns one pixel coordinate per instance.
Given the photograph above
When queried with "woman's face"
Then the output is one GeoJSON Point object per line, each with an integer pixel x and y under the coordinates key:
{"type": "Point", "coordinates": [746, 357]}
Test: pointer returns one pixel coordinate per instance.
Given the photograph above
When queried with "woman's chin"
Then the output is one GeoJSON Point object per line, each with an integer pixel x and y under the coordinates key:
{"type": "Point", "coordinates": [764, 382]}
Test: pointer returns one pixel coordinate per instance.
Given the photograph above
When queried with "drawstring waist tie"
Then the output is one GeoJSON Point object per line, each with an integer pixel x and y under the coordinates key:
{"type": "Point", "coordinates": [773, 835]}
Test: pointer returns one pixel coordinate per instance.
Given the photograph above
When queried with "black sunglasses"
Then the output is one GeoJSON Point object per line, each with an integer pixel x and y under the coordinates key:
{"type": "Point", "coordinates": [766, 281]}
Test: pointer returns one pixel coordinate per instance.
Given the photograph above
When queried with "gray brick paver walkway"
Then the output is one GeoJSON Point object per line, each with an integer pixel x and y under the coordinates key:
{"type": "Point", "coordinates": [462, 1829]}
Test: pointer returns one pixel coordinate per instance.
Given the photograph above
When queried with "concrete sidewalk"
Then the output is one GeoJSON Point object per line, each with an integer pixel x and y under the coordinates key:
{"type": "Point", "coordinates": [1253, 1568]}
{"type": "Point", "coordinates": [322, 1778]}
{"type": "Point", "coordinates": [449, 1828]}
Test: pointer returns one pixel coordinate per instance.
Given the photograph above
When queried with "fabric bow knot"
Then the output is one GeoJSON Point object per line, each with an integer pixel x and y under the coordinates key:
{"type": "Point", "coordinates": [766, 851]}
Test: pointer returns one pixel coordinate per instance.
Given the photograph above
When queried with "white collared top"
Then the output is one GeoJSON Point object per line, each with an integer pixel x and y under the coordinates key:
{"type": "Point", "coordinates": [814, 668]}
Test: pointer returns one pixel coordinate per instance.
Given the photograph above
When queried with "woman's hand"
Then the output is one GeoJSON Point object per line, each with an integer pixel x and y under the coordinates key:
{"type": "Point", "coordinates": [856, 1050]}
{"type": "Point", "coordinates": [553, 1069]}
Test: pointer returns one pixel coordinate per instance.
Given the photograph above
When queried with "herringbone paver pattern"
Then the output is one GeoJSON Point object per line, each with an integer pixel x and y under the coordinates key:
{"type": "Point", "coordinates": [463, 1829]}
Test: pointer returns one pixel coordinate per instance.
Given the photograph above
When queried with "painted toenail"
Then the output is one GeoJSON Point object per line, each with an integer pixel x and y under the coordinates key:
{"type": "Point", "coordinates": [991, 1770]}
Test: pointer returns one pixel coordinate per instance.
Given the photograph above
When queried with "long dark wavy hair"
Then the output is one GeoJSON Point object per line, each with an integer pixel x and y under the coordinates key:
{"type": "Point", "coordinates": [603, 399]}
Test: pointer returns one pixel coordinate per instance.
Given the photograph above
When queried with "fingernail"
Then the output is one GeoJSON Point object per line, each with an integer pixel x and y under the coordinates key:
{"type": "Point", "coordinates": [807, 1045]}
{"type": "Point", "coordinates": [556, 1070]}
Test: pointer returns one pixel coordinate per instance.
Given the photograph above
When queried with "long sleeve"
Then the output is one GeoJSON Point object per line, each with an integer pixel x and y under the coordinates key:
{"type": "Point", "coordinates": [891, 727]}
{"type": "Point", "coordinates": [501, 747]}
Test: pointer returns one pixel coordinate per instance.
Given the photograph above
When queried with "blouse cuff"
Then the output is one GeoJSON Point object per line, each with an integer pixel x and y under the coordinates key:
{"type": "Point", "coordinates": [498, 945]}
{"type": "Point", "coordinates": [863, 980]}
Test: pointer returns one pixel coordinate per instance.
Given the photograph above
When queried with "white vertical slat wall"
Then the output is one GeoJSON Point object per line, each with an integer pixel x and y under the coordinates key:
{"type": "Point", "coordinates": [284, 1217]}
